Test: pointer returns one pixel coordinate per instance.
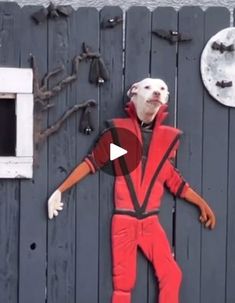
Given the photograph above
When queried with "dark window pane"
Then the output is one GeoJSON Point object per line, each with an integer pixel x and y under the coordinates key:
{"type": "Point", "coordinates": [7, 127]}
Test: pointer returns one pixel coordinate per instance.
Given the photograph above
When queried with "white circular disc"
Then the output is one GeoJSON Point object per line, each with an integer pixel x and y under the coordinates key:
{"type": "Point", "coordinates": [217, 66]}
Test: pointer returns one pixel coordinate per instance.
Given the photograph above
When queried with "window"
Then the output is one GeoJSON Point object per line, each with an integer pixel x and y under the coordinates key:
{"type": "Point", "coordinates": [16, 123]}
{"type": "Point", "coordinates": [7, 125]}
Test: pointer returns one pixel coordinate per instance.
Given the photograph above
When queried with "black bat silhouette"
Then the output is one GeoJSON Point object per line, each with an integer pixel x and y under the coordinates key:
{"type": "Point", "coordinates": [224, 84]}
{"type": "Point", "coordinates": [222, 47]}
{"type": "Point", "coordinates": [172, 36]}
{"type": "Point", "coordinates": [111, 22]}
{"type": "Point", "coordinates": [52, 11]}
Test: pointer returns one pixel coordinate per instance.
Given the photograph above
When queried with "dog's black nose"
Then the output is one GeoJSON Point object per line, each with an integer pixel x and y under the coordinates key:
{"type": "Point", "coordinates": [156, 93]}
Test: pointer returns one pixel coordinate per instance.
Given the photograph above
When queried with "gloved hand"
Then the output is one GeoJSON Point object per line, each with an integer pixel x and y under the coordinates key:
{"type": "Point", "coordinates": [54, 204]}
{"type": "Point", "coordinates": [207, 216]}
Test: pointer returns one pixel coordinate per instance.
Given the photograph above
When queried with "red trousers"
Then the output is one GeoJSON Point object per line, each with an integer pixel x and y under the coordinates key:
{"type": "Point", "coordinates": [129, 233]}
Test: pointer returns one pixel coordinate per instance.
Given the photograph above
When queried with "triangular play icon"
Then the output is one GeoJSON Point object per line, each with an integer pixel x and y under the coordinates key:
{"type": "Point", "coordinates": [116, 151]}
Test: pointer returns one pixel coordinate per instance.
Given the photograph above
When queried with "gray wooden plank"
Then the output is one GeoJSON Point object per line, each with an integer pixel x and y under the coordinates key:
{"type": "Point", "coordinates": [137, 46]}
{"type": "Point", "coordinates": [111, 48]}
{"type": "Point", "coordinates": [33, 193]}
{"type": "Point", "coordinates": [61, 159]}
{"type": "Point", "coordinates": [189, 159]}
{"type": "Point", "coordinates": [230, 265]}
{"type": "Point", "coordinates": [163, 66]}
{"type": "Point", "coordinates": [87, 198]}
{"type": "Point", "coordinates": [215, 151]}
{"type": "Point", "coordinates": [163, 54]}
{"type": "Point", "coordinates": [137, 67]}
{"type": "Point", "coordinates": [9, 189]}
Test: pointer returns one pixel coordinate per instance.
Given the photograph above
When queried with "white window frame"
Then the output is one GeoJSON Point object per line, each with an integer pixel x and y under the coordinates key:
{"type": "Point", "coordinates": [17, 83]}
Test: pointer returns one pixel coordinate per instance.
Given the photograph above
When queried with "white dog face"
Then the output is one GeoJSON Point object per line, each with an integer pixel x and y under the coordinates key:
{"type": "Point", "coordinates": [148, 95]}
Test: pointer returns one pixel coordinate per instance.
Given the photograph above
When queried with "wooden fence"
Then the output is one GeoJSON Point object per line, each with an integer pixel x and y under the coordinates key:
{"type": "Point", "coordinates": [68, 259]}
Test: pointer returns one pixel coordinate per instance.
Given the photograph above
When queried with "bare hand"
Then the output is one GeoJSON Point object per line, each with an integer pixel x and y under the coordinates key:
{"type": "Point", "coordinates": [54, 204]}
{"type": "Point", "coordinates": [207, 216]}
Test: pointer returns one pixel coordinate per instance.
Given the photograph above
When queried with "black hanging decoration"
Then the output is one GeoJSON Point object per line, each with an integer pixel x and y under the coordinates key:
{"type": "Point", "coordinates": [53, 12]}
{"type": "Point", "coordinates": [40, 16]}
{"type": "Point", "coordinates": [64, 10]}
{"type": "Point", "coordinates": [104, 74]}
{"type": "Point", "coordinates": [85, 123]}
{"type": "Point", "coordinates": [86, 126]}
{"type": "Point", "coordinates": [172, 36]}
{"type": "Point", "coordinates": [98, 73]}
{"type": "Point", "coordinates": [94, 71]}
{"type": "Point", "coordinates": [111, 22]}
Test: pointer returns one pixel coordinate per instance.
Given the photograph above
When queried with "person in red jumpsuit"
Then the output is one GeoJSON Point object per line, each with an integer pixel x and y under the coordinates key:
{"type": "Point", "coordinates": [138, 191]}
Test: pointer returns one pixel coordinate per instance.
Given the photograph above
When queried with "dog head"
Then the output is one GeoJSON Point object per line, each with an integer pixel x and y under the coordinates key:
{"type": "Point", "coordinates": [148, 95]}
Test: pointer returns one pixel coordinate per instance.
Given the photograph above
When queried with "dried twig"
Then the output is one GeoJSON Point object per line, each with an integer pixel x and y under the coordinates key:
{"type": "Point", "coordinates": [46, 78]}
{"type": "Point", "coordinates": [56, 126]}
{"type": "Point", "coordinates": [41, 91]}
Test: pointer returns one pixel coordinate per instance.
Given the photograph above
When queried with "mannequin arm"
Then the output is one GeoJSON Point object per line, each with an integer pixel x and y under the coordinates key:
{"type": "Point", "coordinates": [54, 202]}
{"type": "Point", "coordinates": [207, 216]}
{"type": "Point", "coordinates": [80, 172]}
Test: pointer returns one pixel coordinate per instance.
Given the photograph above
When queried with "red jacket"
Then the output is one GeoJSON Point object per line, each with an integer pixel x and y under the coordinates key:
{"type": "Point", "coordinates": [139, 193]}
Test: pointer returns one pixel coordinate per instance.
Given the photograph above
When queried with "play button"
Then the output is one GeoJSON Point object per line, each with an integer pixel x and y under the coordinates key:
{"type": "Point", "coordinates": [116, 151]}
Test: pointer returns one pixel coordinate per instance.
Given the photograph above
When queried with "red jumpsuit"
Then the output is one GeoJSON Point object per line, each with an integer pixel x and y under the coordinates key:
{"type": "Point", "coordinates": [137, 198]}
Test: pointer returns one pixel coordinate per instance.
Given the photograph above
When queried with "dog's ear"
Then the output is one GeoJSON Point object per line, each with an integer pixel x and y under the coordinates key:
{"type": "Point", "coordinates": [167, 97]}
{"type": "Point", "coordinates": [132, 90]}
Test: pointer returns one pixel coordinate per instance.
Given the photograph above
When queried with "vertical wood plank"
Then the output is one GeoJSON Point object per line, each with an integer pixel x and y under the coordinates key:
{"type": "Point", "coordinates": [230, 264]}
{"type": "Point", "coordinates": [189, 116]}
{"type": "Point", "coordinates": [111, 106]}
{"type": "Point", "coordinates": [215, 152]}
{"type": "Point", "coordinates": [33, 216]}
{"type": "Point", "coordinates": [137, 67]}
{"type": "Point", "coordinates": [163, 66]}
{"type": "Point", "coordinates": [87, 198]}
{"type": "Point", "coordinates": [9, 189]}
{"type": "Point", "coordinates": [61, 159]}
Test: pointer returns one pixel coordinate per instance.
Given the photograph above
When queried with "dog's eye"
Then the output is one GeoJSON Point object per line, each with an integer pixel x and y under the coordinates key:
{"type": "Point", "coordinates": [162, 88]}
{"type": "Point", "coordinates": [147, 87]}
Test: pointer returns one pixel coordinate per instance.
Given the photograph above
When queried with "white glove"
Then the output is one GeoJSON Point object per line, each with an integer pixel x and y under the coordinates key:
{"type": "Point", "coordinates": [54, 204]}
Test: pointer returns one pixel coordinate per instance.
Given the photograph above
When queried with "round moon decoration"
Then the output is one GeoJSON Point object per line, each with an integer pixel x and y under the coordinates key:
{"type": "Point", "coordinates": [218, 66]}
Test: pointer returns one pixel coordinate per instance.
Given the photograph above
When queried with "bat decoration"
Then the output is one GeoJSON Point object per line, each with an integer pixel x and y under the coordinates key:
{"type": "Point", "coordinates": [98, 72]}
{"type": "Point", "coordinates": [52, 11]}
{"type": "Point", "coordinates": [222, 47]}
{"type": "Point", "coordinates": [85, 126]}
{"type": "Point", "coordinates": [98, 75]}
{"type": "Point", "coordinates": [112, 22]}
{"type": "Point", "coordinates": [172, 36]}
{"type": "Point", "coordinates": [224, 84]}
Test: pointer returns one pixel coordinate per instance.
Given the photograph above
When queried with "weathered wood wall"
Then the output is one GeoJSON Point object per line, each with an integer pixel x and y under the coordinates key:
{"type": "Point", "coordinates": [69, 259]}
